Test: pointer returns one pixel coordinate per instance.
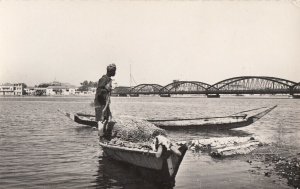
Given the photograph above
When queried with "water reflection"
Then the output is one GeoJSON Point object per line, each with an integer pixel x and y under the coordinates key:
{"type": "Point", "coordinates": [85, 129]}
{"type": "Point", "coordinates": [192, 135]}
{"type": "Point", "coordinates": [114, 174]}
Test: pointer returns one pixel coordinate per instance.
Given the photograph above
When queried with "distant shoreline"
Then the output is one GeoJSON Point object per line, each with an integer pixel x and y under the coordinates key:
{"type": "Point", "coordinates": [60, 96]}
{"type": "Point", "coordinates": [92, 96]}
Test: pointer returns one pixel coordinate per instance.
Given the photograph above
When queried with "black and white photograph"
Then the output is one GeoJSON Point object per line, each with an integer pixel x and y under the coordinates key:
{"type": "Point", "coordinates": [150, 94]}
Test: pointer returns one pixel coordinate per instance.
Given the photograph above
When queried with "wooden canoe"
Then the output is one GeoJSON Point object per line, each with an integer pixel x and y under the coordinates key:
{"type": "Point", "coordinates": [236, 120]}
{"type": "Point", "coordinates": [161, 170]}
{"type": "Point", "coordinates": [84, 119]}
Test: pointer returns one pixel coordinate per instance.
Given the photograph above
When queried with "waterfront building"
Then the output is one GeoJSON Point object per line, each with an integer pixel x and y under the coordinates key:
{"type": "Point", "coordinates": [7, 90]}
{"type": "Point", "coordinates": [12, 89]}
{"type": "Point", "coordinates": [91, 91]}
{"type": "Point", "coordinates": [39, 91]}
{"type": "Point", "coordinates": [19, 89]}
{"type": "Point", "coordinates": [120, 91]}
{"type": "Point", "coordinates": [60, 90]}
{"type": "Point", "coordinates": [30, 91]}
{"type": "Point", "coordinates": [114, 84]}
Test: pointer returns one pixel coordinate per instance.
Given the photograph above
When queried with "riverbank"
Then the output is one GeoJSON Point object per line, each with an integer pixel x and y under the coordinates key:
{"type": "Point", "coordinates": [280, 163]}
{"type": "Point", "coordinates": [52, 96]}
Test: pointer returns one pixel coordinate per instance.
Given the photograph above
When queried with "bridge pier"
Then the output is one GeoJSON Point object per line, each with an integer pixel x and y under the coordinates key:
{"type": "Point", "coordinates": [165, 95]}
{"type": "Point", "coordinates": [213, 95]}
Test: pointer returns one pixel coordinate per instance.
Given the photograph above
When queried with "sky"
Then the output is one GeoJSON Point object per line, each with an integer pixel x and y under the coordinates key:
{"type": "Point", "coordinates": [160, 40]}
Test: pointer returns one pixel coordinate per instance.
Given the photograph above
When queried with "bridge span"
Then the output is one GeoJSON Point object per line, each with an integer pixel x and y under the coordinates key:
{"type": "Point", "coordinates": [235, 86]}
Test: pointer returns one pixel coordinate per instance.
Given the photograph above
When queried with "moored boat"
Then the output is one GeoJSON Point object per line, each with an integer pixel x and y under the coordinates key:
{"type": "Point", "coordinates": [140, 144]}
{"type": "Point", "coordinates": [236, 120]}
{"type": "Point", "coordinates": [158, 166]}
{"type": "Point", "coordinates": [84, 119]}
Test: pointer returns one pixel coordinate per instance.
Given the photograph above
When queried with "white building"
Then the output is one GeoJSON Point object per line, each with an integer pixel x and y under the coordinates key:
{"type": "Point", "coordinates": [60, 90]}
{"type": "Point", "coordinates": [7, 90]}
{"type": "Point", "coordinates": [19, 89]}
{"type": "Point", "coordinates": [30, 91]}
{"type": "Point", "coordinates": [12, 89]}
{"type": "Point", "coordinates": [92, 90]}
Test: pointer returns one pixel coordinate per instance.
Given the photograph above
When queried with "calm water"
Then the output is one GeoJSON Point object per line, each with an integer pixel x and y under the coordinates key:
{"type": "Point", "coordinates": [40, 148]}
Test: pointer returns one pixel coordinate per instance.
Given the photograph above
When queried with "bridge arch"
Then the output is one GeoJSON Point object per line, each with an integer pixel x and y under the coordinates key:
{"type": "Point", "coordinates": [296, 88]}
{"type": "Point", "coordinates": [146, 89]}
{"type": "Point", "coordinates": [185, 87]}
{"type": "Point", "coordinates": [253, 85]}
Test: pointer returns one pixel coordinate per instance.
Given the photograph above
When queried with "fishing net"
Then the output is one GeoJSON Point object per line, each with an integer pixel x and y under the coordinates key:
{"type": "Point", "coordinates": [135, 133]}
{"type": "Point", "coordinates": [132, 129]}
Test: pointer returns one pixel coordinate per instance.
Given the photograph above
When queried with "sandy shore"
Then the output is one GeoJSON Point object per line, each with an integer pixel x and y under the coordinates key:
{"type": "Point", "coordinates": [280, 163]}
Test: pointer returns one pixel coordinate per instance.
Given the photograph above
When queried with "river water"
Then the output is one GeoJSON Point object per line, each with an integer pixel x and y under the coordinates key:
{"type": "Point", "coordinates": [40, 148]}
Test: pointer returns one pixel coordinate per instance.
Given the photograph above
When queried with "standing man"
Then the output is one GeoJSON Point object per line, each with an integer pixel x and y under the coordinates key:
{"type": "Point", "coordinates": [102, 97]}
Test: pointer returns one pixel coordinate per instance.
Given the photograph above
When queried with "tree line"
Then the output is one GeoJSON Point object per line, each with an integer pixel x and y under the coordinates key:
{"type": "Point", "coordinates": [85, 85]}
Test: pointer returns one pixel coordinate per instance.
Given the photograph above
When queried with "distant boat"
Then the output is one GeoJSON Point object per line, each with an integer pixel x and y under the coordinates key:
{"type": "Point", "coordinates": [236, 120]}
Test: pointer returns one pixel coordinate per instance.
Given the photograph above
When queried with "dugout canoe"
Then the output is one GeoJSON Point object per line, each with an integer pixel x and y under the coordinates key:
{"type": "Point", "coordinates": [240, 119]}
{"type": "Point", "coordinates": [160, 168]}
{"type": "Point", "coordinates": [84, 119]}
{"type": "Point", "coordinates": [158, 165]}
{"type": "Point", "coordinates": [236, 120]}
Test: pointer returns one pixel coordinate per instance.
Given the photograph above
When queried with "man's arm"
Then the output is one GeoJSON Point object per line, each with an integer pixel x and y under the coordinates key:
{"type": "Point", "coordinates": [101, 90]}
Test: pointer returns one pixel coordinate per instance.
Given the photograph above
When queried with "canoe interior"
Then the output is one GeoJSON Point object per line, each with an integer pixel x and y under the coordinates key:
{"type": "Point", "coordinates": [206, 126]}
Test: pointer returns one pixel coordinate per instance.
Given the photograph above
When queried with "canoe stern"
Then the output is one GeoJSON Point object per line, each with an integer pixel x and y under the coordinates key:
{"type": "Point", "coordinates": [161, 169]}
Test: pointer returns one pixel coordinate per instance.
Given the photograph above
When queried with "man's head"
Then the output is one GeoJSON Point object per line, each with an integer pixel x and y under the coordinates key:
{"type": "Point", "coordinates": [111, 70]}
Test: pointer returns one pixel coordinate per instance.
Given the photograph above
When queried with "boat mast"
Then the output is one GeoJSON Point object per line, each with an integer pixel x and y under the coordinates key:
{"type": "Point", "coordinates": [130, 77]}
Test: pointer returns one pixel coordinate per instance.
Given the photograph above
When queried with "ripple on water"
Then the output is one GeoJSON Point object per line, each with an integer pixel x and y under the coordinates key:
{"type": "Point", "coordinates": [40, 148]}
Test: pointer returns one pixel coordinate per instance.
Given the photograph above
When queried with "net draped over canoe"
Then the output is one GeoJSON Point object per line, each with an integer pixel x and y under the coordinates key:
{"type": "Point", "coordinates": [132, 129]}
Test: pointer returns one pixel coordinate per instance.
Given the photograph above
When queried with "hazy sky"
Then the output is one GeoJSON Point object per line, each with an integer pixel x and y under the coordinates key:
{"type": "Point", "coordinates": [196, 40]}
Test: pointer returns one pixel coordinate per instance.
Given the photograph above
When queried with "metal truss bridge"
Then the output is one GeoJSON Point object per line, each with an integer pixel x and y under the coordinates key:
{"type": "Point", "coordinates": [235, 85]}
